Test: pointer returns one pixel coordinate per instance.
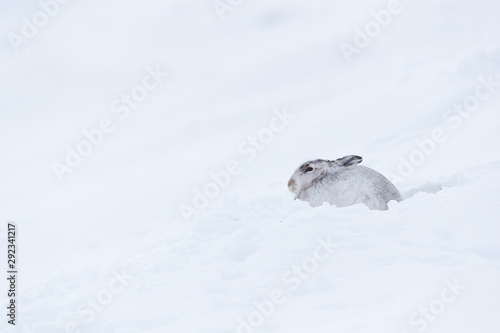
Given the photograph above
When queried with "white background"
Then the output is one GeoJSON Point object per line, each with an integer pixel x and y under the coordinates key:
{"type": "Point", "coordinates": [119, 209]}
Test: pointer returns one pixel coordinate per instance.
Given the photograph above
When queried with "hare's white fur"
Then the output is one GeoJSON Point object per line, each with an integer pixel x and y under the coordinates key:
{"type": "Point", "coordinates": [342, 183]}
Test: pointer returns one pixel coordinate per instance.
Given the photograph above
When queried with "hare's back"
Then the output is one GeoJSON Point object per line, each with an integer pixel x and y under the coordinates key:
{"type": "Point", "coordinates": [378, 183]}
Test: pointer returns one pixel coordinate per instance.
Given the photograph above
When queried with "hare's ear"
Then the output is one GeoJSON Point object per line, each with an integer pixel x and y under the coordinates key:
{"type": "Point", "coordinates": [349, 160]}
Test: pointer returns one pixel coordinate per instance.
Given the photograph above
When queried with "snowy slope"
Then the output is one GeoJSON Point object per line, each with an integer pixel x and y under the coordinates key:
{"type": "Point", "coordinates": [109, 249]}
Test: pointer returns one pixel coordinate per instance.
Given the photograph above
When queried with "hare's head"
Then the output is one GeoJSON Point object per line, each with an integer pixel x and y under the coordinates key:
{"type": "Point", "coordinates": [314, 171]}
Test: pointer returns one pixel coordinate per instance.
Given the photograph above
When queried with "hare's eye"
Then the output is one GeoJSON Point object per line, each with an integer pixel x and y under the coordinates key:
{"type": "Point", "coordinates": [309, 169]}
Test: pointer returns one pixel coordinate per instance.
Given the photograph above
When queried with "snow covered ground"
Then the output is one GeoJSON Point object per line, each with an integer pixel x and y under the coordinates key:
{"type": "Point", "coordinates": [146, 149]}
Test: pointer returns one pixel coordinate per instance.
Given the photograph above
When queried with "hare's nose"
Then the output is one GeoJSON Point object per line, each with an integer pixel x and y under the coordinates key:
{"type": "Point", "coordinates": [291, 183]}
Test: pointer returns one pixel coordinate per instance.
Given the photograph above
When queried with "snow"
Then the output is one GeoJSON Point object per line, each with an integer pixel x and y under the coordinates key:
{"type": "Point", "coordinates": [108, 248]}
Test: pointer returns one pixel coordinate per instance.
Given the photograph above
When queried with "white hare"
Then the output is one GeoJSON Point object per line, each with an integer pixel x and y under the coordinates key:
{"type": "Point", "coordinates": [342, 183]}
